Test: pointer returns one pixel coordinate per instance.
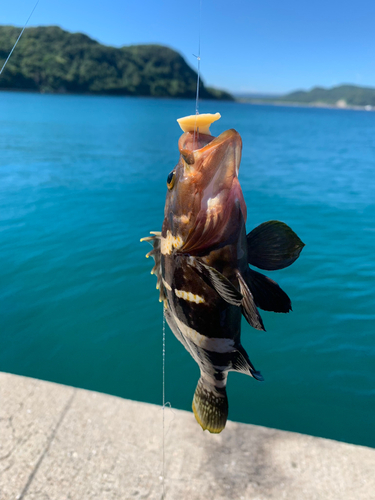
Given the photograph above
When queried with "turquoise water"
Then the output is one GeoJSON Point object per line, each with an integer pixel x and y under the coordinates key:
{"type": "Point", "coordinates": [82, 179]}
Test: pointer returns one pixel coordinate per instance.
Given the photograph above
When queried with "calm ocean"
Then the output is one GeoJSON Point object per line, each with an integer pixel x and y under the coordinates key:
{"type": "Point", "coordinates": [82, 179]}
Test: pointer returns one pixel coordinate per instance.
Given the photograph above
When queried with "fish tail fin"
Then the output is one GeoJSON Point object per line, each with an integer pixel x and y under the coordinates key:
{"type": "Point", "coordinates": [210, 406]}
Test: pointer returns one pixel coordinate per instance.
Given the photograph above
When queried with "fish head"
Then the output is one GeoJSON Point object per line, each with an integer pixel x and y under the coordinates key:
{"type": "Point", "coordinates": [204, 203]}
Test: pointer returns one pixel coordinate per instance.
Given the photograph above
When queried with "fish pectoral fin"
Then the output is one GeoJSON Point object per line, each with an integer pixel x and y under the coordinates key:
{"type": "Point", "coordinates": [267, 293]}
{"type": "Point", "coordinates": [273, 245]}
{"type": "Point", "coordinates": [218, 281]}
{"type": "Point", "coordinates": [155, 253]}
{"type": "Point", "coordinates": [241, 363]}
{"type": "Point", "coordinates": [249, 309]}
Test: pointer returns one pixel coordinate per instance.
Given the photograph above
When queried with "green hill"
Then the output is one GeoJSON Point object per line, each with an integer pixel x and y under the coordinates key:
{"type": "Point", "coordinates": [349, 95]}
{"type": "Point", "coordinates": [49, 59]}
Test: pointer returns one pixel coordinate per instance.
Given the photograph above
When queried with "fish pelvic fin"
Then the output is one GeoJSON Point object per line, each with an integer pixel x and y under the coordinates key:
{"type": "Point", "coordinates": [217, 281]}
{"type": "Point", "coordinates": [249, 309]}
{"type": "Point", "coordinates": [210, 407]}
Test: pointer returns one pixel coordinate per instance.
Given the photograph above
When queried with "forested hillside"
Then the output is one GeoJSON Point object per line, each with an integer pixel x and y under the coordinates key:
{"type": "Point", "coordinates": [49, 59]}
{"type": "Point", "coordinates": [350, 95]}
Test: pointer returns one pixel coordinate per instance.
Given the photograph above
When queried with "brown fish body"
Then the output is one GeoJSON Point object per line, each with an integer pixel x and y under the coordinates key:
{"type": "Point", "coordinates": [215, 235]}
{"type": "Point", "coordinates": [201, 262]}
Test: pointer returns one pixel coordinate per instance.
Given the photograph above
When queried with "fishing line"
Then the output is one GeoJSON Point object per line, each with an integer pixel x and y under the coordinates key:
{"type": "Point", "coordinates": [23, 29]}
{"type": "Point", "coordinates": [196, 132]}
{"type": "Point", "coordinates": [163, 444]}
{"type": "Point", "coordinates": [165, 404]}
{"type": "Point", "coordinates": [198, 59]}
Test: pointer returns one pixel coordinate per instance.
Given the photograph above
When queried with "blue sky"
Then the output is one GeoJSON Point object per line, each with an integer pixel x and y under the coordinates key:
{"type": "Point", "coordinates": [264, 46]}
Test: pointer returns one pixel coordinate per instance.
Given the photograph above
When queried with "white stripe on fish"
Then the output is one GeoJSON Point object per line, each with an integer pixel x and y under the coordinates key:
{"type": "Point", "coordinates": [210, 379]}
{"type": "Point", "coordinates": [210, 344]}
{"type": "Point", "coordinates": [190, 297]}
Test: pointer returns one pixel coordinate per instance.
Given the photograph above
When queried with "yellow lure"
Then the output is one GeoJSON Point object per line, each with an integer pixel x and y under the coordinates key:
{"type": "Point", "coordinates": [198, 122]}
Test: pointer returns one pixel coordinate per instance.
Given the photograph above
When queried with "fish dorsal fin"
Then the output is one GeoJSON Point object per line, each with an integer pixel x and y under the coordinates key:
{"type": "Point", "coordinates": [267, 293]}
{"type": "Point", "coordinates": [218, 281]}
{"type": "Point", "coordinates": [155, 253]}
{"type": "Point", "coordinates": [273, 245]}
{"type": "Point", "coordinates": [249, 309]}
{"type": "Point", "coordinates": [241, 363]}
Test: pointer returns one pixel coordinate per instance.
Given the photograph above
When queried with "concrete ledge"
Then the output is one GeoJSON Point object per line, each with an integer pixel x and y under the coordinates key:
{"type": "Point", "coordinates": [60, 443]}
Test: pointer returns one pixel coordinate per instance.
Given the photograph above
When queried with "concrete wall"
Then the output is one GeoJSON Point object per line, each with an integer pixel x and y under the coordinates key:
{"type": "Point", "coordinates": [60, 443]}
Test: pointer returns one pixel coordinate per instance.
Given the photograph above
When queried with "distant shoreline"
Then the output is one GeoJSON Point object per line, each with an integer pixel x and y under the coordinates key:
{"type": "Point", "coordinates": [238, 100]}
{"type": "Point", "coordinates": [305, 105]}
{"type": "Point", "coordinates": [97, 94]}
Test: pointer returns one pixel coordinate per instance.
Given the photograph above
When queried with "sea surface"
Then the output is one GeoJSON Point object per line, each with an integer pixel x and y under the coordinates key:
{"type": "Point", "coordinates": [83, 178]}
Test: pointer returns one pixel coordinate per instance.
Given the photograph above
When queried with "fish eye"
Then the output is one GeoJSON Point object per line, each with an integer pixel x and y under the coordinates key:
{"type": "Point", "coordinates": [170, 179]}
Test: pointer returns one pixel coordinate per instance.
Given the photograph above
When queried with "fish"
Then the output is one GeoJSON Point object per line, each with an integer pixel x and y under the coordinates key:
{"type": "Point", "coordinates": [202, 263]}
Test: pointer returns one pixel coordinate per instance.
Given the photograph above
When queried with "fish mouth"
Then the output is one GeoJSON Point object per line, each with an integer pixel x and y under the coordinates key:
{"type": "Point", "coordinates": [207, 153]}
{"type": "Point", "coordinates": [214, 165]}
